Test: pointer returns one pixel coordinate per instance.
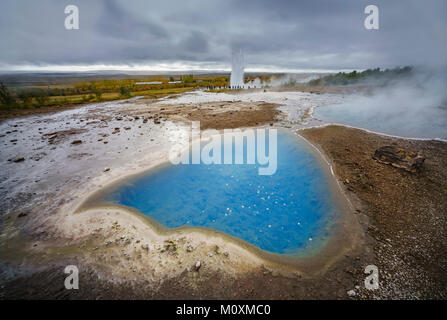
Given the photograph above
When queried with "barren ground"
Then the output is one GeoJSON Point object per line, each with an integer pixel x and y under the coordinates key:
{"type": "Point", "coordinates": [119, 256]}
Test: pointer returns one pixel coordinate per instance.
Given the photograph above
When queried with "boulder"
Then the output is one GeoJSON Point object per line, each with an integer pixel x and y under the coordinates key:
{"type": "Point", "coordinates": [399, 158]}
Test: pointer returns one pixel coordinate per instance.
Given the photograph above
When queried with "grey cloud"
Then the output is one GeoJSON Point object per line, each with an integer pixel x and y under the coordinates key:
{"type": "Point", "coordinates": [289, 34]}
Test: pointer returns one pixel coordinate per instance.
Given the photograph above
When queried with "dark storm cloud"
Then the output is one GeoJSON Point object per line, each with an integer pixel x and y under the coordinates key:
{"type": "Point", "coordinates": [287, 34]}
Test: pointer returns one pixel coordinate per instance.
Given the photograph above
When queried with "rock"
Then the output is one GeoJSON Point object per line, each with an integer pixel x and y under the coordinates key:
{"type": "Point", "coordinates": [351, 293]}
{"type": "Point", "coordinates": [106, 169]}
{"type": "Point", "coordinates": [170, 246]}
{"type": "Point", "coordinates": [399, 158]}
{"type": "Point", "coordinates": [198, 265]}
{"type": "Point", "coordinates": [76, 142]}
{"type": "Point", "coordinates": [189, 248]}
{"type": "Point", "coordinates": [18, 159]}
{"type": "Point", "coordinates": [123, 236]}
{"type": "Point", "coordinates": [22, 214]}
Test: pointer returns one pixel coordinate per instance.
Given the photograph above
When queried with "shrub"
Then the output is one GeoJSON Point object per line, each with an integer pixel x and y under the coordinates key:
{"type": "Point", "coordinates": [98, 94]}
{"type": "Point", "coordinates": [125, 92]}
{"type": "Point", "coordinates": [6, 98]}
{"type": "Point", "coordinates": [42, 100]}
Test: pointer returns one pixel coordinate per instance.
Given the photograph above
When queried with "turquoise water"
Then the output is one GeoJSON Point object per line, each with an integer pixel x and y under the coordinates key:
{"type": "Point", "coordinates": [286, 213]}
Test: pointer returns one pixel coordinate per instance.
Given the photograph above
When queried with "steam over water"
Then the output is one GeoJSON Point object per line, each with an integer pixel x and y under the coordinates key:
{"type": "Point", "coordinates": [413, 108]}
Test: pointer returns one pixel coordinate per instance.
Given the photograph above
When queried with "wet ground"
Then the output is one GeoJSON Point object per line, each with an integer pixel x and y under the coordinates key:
{"type": "Point", "coordinates": [51, 162]}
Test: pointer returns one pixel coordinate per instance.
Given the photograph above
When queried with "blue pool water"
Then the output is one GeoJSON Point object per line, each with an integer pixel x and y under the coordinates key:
{"type": "Point", "coordinates": [287, 213]}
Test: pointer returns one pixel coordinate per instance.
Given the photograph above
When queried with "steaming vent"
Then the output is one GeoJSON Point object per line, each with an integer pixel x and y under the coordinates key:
{"type": "Point", "coordinates": [237, 70]}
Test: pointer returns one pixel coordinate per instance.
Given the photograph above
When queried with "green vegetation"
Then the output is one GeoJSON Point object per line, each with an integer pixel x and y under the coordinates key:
{"type": "Point", "coordinates": [125, 92]}
{"type": "Point", "coordinates": [37, 96]}
{"type": "Point", "coordinates": [6, 98]}
{"type": "Point", "coordinates": [378, 76]}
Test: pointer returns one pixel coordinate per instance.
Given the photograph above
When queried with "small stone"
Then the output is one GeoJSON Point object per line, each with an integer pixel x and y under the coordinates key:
{"type": "Point", "coordinates": [123, 236]}
{"type": "Point", "coordinates": [106, 169]}
{"type": "Point", "coordinates": [351, 293]}
{"type": "Point", "coordinates": [197, 266]}
{"type": "Point", "coordinates": [76, 142]}
{"type": "Point", "coordinates": [18, 159]}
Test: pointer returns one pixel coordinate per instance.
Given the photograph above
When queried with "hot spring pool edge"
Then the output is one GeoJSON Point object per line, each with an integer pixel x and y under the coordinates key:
{"type": "Point", "coordinates": [347, 234]}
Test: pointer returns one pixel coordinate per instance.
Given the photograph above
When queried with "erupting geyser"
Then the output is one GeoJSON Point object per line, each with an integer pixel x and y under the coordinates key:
{"type": "Point", "coordinates": [237, 70]}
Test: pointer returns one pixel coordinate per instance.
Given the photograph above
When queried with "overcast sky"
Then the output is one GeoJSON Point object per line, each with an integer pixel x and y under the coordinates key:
{"type": "Point", "coordinates": [193, 34]}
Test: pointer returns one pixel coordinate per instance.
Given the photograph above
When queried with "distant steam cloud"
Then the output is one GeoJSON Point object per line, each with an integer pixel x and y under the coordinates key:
{"type": "Point", "coordinates": [412, 107]}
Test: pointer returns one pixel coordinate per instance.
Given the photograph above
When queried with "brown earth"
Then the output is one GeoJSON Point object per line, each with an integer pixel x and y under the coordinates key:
{"type": "Point", "coordinates": [6, 114]}
{"type": "Point", "coordinates": [212, 115]}
{"type": "Point", "coordinates": [403, 214]}
{"type": "Point", "coordinates": [407, 212]}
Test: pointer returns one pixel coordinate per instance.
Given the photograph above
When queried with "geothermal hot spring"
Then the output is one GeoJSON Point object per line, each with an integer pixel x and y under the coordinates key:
{"type": "Point", "coordinates": [291, 212]}
{"type": "Point", "coordinates": [237, 70]}
{"type": "Point", "coordinates": [414, 108]}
